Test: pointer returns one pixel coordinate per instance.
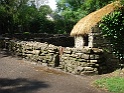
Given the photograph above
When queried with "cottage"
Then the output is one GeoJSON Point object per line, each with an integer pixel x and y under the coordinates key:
{"type": "Point", "coordinates": [86, 32]}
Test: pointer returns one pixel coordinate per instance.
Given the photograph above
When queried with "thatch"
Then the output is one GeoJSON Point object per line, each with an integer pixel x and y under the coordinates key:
{"type": "Point", "coordinates": [84, 26]}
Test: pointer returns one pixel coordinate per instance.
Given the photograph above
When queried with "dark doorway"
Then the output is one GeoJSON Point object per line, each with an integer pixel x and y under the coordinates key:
{"type": "Point", "coordinates": [85, 38]}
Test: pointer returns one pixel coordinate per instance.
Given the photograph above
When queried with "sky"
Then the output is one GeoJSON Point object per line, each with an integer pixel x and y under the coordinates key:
{"type": "Point", "coordinates": [52, 4]}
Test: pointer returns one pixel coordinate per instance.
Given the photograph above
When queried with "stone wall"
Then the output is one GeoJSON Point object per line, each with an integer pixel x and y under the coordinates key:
{"type": "Point", "coordinates": [56, 39]}
{"type": "Point", "coordinates": [98, 39]}
{"type": "Point", "coordinates": [77, 61]}
{"type": "Point", "coordinates": [87, 61]}
{"type": "Point", "coordinates": [43, 53]}
{"type": "Point", "coordinates": [83, 61]}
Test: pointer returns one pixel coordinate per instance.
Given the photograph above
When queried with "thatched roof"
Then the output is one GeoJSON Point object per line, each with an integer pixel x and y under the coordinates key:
{"type": "Point", "coordinates": [84, 26]}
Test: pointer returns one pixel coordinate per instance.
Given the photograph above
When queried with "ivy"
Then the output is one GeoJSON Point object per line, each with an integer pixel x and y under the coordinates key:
{"type": "Point", "coordinates": [112, 27]}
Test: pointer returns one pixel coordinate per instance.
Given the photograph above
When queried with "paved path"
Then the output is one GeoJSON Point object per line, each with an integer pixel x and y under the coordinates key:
{"type": "Point", "coordinates": [19, 76]}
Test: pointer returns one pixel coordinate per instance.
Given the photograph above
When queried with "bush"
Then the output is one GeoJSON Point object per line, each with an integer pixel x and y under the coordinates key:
{"type": "Point", "coordinates": [112, 27]}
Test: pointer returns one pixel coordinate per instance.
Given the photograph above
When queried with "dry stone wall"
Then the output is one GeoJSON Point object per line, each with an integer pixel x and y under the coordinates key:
{"type": "Point", "coordinates": [83, 61]}
{"type": "Point", "coordinates": [56, 39]}
{"type": "Point", "coordinates": [43, 53]}
{"type": "Point", "coordinates": [77, 61]}
{"type": "Point", "coordinates": [99, 41]}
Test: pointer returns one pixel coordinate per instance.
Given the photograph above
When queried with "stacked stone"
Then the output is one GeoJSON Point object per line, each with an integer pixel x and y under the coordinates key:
{"type": "Point", "coordinates": [42, 53]}
{"type": "Point", "coordinates": [99, 41]}
{"type": "Point", "coordinates": [4, 42]}
{"type": "Point", "coordinates": [81, 61]}
{"type": "Point", "coordinates": [56, 39]}
{"type": "Point", "coordinates": [77, 61]}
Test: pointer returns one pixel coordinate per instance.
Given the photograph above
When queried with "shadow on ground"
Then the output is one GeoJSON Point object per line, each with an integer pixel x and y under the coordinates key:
{"type": "Point", "coordinates": [6, 53]}
{"type": "Point", "coordinates": [20, 85]}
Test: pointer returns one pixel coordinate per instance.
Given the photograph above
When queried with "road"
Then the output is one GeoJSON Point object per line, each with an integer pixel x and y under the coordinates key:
{"type": "Point", "coordinates": [19, 76]}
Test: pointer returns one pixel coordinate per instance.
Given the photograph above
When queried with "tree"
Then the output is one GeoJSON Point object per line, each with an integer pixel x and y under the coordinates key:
{"type": "Point", "coordinates": [44, 10]}
{"type": "Point", "coordinates": [73, 10]}
{"type": "Point", "coordinates": [79, 7]}
{"type": "Point", "coordinates": [93, 5]}
{"type": "Point", "coordinates": [26, 15]}
{"type": "Point", "coordinates": [39, 3]}
{"type": "Point", "coordinates": [40, 23]}
{"type": "Point", "coordinates": [69, 9]}
{"type": "Point", "coordinates": [23, 16]}
{"type": "Point", "coordinates": [10, 9]}
{"type": "Point", "coordinates": [2, 19]}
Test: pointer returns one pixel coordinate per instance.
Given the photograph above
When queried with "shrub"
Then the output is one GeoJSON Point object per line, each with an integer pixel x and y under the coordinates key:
{"type": "Point", "coordinates": [112, 27]}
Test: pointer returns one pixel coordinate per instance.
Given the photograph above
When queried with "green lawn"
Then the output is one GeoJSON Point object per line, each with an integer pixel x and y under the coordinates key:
{"type": "Point", "coordinates": [112, 84]}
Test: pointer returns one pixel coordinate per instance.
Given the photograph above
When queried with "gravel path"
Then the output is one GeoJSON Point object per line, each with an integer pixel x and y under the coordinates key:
{"type": "Point", "coordinates": [19, 76]}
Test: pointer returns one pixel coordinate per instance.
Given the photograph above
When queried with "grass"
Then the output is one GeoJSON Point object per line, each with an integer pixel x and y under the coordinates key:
{"type": "Point", "coordinates": [112, 84]}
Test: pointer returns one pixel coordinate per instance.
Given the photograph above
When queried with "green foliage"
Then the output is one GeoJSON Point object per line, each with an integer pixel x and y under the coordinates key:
{"type": "Point", "coordinates": [45, 9]}
{"type": "Point", "coordinates": [26, 33]}
{"type": "Point", "coordinates": [113, 84]}
{"type": "Point", "coordinates": [76, 9]}
{"type": "Point", "coordinates": [112, 27]}
{"type": "Point", "coordinates": [18, 16]}
{"type": "Point", "coordinates": [73, 10]}
{"type": "Point", "coordinates": [9, 14]}
{"type": "Point", "coordinates": [93, 5]}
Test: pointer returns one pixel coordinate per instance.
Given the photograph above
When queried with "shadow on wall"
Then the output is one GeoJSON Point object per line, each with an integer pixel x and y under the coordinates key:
{"type": "Point", "coordinates": [56, 39]}
{"type": "Point", "coordinates": [109, 63]}
{"type": "Point", "coordinates": [20, 85]}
